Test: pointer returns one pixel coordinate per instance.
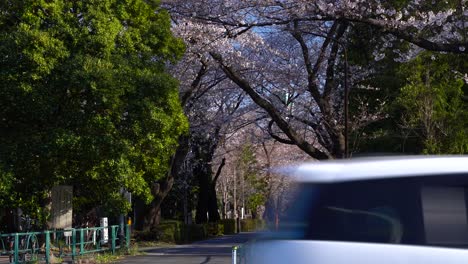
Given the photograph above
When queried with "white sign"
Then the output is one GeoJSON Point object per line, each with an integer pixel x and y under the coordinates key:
{"type": "Point", "coordinates": [62, 209]}
{"type": "Point", "coordinates": [105, 230]}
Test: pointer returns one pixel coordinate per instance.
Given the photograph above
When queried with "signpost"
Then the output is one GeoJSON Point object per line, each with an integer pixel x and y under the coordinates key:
{"type": "Point", "coordinates": [62, 210]}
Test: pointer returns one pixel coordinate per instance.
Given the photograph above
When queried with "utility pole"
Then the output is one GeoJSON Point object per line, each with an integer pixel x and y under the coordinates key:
{"type": "Point", "coordinates": [243, 198]}
{"type": "Point", "coordinates": [235, 199]}
{"type": "Point", "coordinates": [346, 102]}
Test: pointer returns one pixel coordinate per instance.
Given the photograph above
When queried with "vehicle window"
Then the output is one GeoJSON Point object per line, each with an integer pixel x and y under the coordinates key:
{"type": "Point", "coordinates": [363, 225]}
{"type": "Point", "coordinates": [416, 211]}
{"type": "Point", "coordinates": [445, 215]}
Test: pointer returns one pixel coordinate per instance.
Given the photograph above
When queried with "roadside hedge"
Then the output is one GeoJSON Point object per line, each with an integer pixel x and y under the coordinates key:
{"type": "Point", "coordinates": [174, 231]}
{"type": "Point", "coordinates": [229, 226]}
{"type": "Point", "coordinates": [251, 225]}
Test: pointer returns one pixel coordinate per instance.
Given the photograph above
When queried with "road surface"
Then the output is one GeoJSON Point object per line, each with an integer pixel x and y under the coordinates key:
{"type": "Point", "coordinates": [212, 251]}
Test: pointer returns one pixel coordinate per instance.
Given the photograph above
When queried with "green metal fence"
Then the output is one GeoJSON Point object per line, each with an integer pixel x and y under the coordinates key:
{"type": "Point", "coordinates": [70, 243]}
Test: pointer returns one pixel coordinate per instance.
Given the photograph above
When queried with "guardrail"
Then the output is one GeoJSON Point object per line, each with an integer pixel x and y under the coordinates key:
{"type": "Point", "coordinates": [45, 245]}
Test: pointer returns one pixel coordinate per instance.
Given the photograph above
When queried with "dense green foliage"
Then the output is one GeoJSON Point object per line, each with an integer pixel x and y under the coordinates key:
{"type": "Point", "coordinates": [426, 109]}
{"type": "Point", "coordinates": [256, 187]}
{"type": "Point", "coordinates": [433, 103]}
{"type": "Point", "coordinates": [382, 85]}
{"type": "Point", "coordinates": [85, 99]}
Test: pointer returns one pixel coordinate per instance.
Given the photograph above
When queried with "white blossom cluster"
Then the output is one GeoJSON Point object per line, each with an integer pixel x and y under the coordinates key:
{"type": "Point", "coordinates": [279, 48]}
{"type": "Point", "coordinates": [444, 25]}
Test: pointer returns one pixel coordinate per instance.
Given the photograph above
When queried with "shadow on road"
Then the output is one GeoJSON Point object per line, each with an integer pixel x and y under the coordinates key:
{"type": "Point", "coordinates": [213, 251]}
{"type": "Point", "coordinates": [221, 246]}
{"type": "Point", "coordinates": [206, 260]}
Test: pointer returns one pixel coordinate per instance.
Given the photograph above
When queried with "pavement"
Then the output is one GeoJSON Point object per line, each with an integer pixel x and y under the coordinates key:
{"type": "Point", "coordinates": [213, 251]}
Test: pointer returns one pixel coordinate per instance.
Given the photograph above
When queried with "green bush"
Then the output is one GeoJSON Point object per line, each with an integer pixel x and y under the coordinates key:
{"type": "Point", "coordinates": [229, 226]}
{"type": "Point", "coordinates": [146, 235]}
{"type": "Point", "coordinates": [173, 231]}
{"type": "Point", "coordinates": [214, 229]}
{"type": "Point", "coordinates": [195, 232]}
{"type": "Point", "coordinates": [260, 224]}
{"type": "Point", "coordinates": [250, 225]}
{"type": "Point", "coordinates": [170, 231]}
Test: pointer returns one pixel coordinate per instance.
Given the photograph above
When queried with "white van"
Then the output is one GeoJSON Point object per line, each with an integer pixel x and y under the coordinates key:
{"type": "Point", "coordinates": [380, 211]}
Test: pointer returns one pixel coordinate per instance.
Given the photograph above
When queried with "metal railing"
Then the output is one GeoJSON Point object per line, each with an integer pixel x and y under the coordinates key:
{"type": "Point", "coordinates": [71, 243]}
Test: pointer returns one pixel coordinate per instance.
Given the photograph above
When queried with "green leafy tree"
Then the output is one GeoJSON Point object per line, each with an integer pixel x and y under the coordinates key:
{"type": "Point", "coordinates": [255, 184]}
{"type": "Point", "coordinates": [403, 86]}
{"type": "Point", "coordinates": [6, 180]}
{"type": "Point", "coordinates": [433, 102]}
{"type": "Point", "coordinates": [86, 100]}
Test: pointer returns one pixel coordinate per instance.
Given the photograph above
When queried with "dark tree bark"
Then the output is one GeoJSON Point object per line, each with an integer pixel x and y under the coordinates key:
{"type": "Point", "coordinates": [213, 199]}
{"type": "Point", "coordinates": [149, 216]}
{"type": "Point", "coordinates": [202, 175]}
{"type": "Point", "coordinates": [207, 204]}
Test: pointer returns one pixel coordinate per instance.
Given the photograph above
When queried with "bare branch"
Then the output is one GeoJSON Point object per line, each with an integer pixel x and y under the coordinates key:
{"type": "Point", "coordinates": [276, 137]}
{"type": "Point", "coordinates": [272, 111]}
{"type": "Point", "coordinates": [218, 172]}
{"type": "Point", "coordinates": [195, 84]}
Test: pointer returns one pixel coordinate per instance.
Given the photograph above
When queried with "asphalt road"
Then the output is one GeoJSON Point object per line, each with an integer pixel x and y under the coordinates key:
{"type": "Point", "coordinates": [212, 251]}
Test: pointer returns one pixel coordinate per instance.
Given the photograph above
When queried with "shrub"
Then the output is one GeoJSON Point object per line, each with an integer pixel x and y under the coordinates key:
{"type": "Point", "coordinates": [214, 229]}
{"type": "Point", "coordinates": [229, 226]}
{"type": "Point", "coordinates": [146, 235]}
{"type": "Point", "coordinates": [173, 231]}
{"type": "Point", "coordinates": [260, 225]}
{"type": "Point", "coordinates": [170, 231]}
{"type": "Point", "coordinates": [250, 225]}
{"type": "Point", "coordinates": [196, 232]}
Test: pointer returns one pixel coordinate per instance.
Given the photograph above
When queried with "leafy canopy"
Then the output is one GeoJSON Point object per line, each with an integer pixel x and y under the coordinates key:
{"type": "Point", "coordinates": [434, 104]}
{"type": "Point", "coordinates": [85, 99]}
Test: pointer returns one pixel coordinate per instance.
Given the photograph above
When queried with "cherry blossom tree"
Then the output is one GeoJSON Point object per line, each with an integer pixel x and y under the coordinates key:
{"type": "Point", "coordinates": [211, 103]}
{"type": "Point", "coordinates": [250, 179]}
{"type": "Point", "coordinates": [300, 99]}
{"type": "Point", "coordinates": [432, 25]}
{"type": "Point", "coordinates": [290, 56]}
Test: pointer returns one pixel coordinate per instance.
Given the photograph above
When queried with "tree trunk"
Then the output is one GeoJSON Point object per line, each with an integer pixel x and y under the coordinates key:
{"type": "Point", "coordinates": [153, 218]}
{"type": "Point", "coordinates": [213, 206]}
{"type": "Point", "coordinates": [207, 204]}
{"type": "Point", "coordinates": [149, 216]}
{"type": "Point", "coordinates": [201, 172]}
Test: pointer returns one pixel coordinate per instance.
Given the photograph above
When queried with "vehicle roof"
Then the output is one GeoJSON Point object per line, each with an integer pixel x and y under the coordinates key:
{"type": "Point", "coordinates": [379, 168]}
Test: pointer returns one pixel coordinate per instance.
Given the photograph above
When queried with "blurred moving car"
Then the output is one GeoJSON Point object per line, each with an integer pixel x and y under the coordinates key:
{"type": "Point", "coordinates": [380, 210]}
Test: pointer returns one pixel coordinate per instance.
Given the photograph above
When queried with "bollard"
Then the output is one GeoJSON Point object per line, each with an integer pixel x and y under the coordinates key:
{"type": "Point", "coordinates": [234, 255]}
